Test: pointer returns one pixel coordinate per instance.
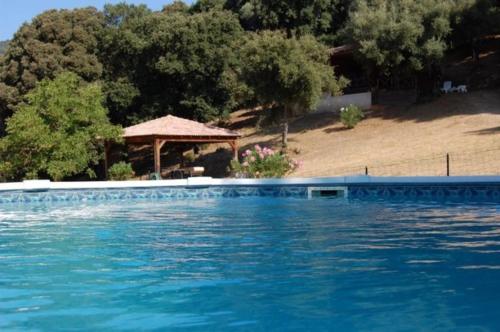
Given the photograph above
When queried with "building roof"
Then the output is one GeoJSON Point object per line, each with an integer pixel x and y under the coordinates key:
{"type": "Point", "coordinates": [172, 126]}
{"type": "Point", "coordinates": [346, 49]}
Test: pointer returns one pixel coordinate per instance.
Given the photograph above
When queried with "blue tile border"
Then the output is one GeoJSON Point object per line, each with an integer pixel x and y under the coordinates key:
{"type": "Point", "coordinates": [150, 193]}
{"type": "Point", "coordinates": [458, 192]}
{"type": "Point", "coordinates": [466, 192]}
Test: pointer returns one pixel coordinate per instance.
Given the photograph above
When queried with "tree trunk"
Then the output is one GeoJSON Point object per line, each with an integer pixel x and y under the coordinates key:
{"type": "Point", "coordinates": [426, 83]}
{"type": "Point", "coordinates": [375, 91]}
{"type": "Point", "coordinates": [475, 57]}
{"type": "Point", "coordinates": [475, 51]}
{"type": "Point", "coordinates": [284, 136]}
{"type": "Point", "coordinates": [374, 81]}
{"type": "Point", "coordinates": [2, 127]}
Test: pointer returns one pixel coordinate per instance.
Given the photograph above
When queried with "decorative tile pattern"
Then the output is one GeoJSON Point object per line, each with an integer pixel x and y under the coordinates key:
{"type": "Point", "coordinates": [150, 193]}
{"type": "Point", "coordinates": [391, 192]}
{"type": "Point", "coordinates": [435, 193]}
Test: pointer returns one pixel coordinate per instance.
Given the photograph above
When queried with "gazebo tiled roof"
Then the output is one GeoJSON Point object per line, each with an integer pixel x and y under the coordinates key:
{"type": "Point", "coordinates": [171, 129]}
{"type": "Point", "coordinates": [172, 126]}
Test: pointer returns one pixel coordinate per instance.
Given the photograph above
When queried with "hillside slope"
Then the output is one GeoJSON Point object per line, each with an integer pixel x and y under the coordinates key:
{"type": "Point", "coordinates": [394, 139]}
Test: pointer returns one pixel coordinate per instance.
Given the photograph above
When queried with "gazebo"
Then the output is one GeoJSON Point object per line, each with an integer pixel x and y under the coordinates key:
{"type": "Point", "coordinates": [171, 129]}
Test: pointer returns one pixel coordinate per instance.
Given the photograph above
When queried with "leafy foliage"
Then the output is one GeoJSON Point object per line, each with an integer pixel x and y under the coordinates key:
{"type": "Point", "coordinates": [3, 46]}
{"type": "Point", "coordinates": [291, 74]}
{"type": "Point", "coordinates": [55, 41]}
{"type": "Point", "coordinates": [296, 17]}
{"type": "Point", "coordinates": [170, 63]}
{"type": "Point", "coordinates": [399, 36]}
{"type": "Point", "coordinates": [263, 163]}
{"type": "Point", "coordinates": [288, 72]}
{"type": "Point", "coordinates": [122, 45]}
{"type": "Point", "coordinates": [58, 132]}
{"type": "Point", "coordinates": [351, 115]}
{"type": "Point", "coordinates": [207, 5]}
{"type": "Point", "coordinates": [121, 171]}
{"type": "Point", "coordinates": [176, 6]}
{"type": "Point", "coordinates": [472, 20]}
{"type": "Point", "coordinates": [198, 61]}
{"type": "Point", "coordinates": [402, 40]}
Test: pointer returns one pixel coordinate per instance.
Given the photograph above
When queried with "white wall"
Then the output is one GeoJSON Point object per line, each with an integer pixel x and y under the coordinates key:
{"type": "Point", "coordinates": [333, 104]}
{"type": "Point", "coordinates": [201, 182]}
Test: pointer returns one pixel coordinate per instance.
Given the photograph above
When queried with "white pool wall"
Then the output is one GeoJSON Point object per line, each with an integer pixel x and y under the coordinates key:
{"type": "Point", "coordinates": [39, 185]}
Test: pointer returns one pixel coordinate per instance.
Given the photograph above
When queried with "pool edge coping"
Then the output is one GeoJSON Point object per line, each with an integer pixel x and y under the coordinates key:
{"type": "Point", "coordinates": [196, 182]}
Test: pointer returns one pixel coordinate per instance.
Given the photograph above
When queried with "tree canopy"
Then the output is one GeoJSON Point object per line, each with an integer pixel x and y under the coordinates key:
{"type": "Point", "coordinates": [407, 40]}
{"type": "Point", "coordinates": [183, 59]}
{"type": "Point", "coordinates": [170, 63]}
{"type": "Point", "coordinates": [55, 41]}
{"type": "Point", "coordinates": [58, 132]}
{"type": "Point", "coordinates": [296, 17]}
{"type": "Point", "coordinates": [3, 46]}
{"type": "Point", "coordinates": [474, 19]}
{"type": "Point", "coordinates": [399, 36]}
{"type": "Point", "coordinates": [288, 73]}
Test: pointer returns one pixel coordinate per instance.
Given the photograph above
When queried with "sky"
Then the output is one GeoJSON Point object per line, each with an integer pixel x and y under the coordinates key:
{"type": "Point", "coordinates": [13, 13]}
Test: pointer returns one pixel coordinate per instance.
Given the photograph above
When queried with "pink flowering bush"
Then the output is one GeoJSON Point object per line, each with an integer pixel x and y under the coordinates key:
{"type": "Point", "coordinates": [264, 163]}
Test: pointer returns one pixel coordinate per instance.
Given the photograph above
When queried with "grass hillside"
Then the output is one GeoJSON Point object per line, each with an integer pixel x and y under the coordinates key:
{"type": "Point", "coordinates": [396, 138]}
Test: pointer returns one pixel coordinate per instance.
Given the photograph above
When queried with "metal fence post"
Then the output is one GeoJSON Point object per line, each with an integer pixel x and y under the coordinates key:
{"type": "Point", "coordinates": [447, 164]}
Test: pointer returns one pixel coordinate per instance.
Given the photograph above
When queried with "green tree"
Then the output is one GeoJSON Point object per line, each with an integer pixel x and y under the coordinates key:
{"type": "Point", "coordinates": [58, 132]}
{"type": "Point", "coordinates": [176, 6]}
{"type": "Point", "coordinates": [171, 63]}
{"type": "Point", "coordinates": [207, 5]}
{"type": "Point", "coordinates": [296, 17]}
{"type": "Point", "coordinates": [196, 54]}
{"type": "Point", "coordinates": [55, 41]}
{"type": "Point", "coordinates": [291, 74]}
{"type": "Point", "coordinates": [398, 38]}
{"type": "Point", "coordinates": [122, 51]}
{"type": "Point", "coordinates": [473, 20]}
{"type": "Point", "coordinates": [3, 46]}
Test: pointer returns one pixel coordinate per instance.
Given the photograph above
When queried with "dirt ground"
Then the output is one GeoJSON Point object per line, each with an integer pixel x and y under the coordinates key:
{"type": "Point", "coordinates": [395, 138]}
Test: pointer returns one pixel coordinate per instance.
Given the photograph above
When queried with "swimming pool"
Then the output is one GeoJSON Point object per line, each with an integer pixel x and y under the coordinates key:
{"type": "Point", "coordinates": [255, 263]}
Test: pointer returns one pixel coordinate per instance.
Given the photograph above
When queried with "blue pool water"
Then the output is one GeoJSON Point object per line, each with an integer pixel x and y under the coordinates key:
{"type": "Point", "coordinates": [249, 264]}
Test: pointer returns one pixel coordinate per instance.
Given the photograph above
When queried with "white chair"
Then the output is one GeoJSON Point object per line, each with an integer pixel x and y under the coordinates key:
{"type": "Point", "coordinates": [447, 87]}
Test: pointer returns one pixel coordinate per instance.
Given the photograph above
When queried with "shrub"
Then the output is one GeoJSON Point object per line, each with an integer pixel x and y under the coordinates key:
{"type": "Point", "coordinates": [121, 171]}
{"type": "Point", "coordinates": [351, 115]}
{"type": "Point", "coordinates": [189, 157]}
{"type": "Point", "coordinates": [59, 131]}
{"type": "Point", "coordinates": [263, 163]}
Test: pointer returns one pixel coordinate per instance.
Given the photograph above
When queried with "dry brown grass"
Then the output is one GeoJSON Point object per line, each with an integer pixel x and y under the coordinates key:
{"type": "Point", "coordinates": [394, 139]}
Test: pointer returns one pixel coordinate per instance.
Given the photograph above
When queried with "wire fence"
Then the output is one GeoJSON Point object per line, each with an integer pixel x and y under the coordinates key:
{"type": "Point", "coordinates": [477, 162]}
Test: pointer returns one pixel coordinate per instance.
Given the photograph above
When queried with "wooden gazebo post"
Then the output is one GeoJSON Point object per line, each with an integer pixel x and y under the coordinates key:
{"type": "Point", "coordinates": [157, 145]}
{"type": "Point", "coordinates": [234, 147]}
